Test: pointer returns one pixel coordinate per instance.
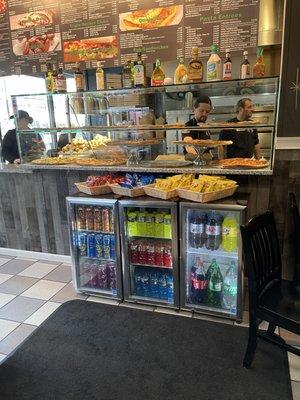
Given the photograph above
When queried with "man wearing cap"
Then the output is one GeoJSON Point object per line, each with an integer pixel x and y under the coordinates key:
{"type": "Point", "coordinates": [10, 149]}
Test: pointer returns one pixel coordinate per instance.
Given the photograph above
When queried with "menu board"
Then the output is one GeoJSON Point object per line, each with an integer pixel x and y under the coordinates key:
{"type": "Point", "coordinates": [156, 29]}
{"type": "Point", "coordinates": [34, 32]}
{"type": "Point", "coordinates": [89, 32]}
{"type": "Point", "coordinates": [228, 24]}
{"type": "Point", "coordinates": [5, 47]}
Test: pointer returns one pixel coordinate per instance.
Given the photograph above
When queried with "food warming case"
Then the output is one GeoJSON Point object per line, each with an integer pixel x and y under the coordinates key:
{"type": "Point", "coordinates": [211, 258]}
{"type": "Point", "coordinates": [149, 250]}
{"type": "Point", "coordinates": [94, 243]}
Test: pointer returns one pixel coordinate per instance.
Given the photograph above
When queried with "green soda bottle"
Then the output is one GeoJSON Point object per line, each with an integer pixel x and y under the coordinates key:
{"type": "Point", "coordinates": [159, 225]}
{"type": "Point", "coordinates": [167, 226]}
{"type": "Point", "coordinates": [214, 290]}
{"type": "Point", "coordinates": [142, 229]}
{"type": "Point", "coordinates": [132, 227]}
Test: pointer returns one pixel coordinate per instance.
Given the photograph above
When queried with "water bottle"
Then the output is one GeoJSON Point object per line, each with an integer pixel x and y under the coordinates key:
{"type": "Point", "coordinates": [162, 282]}
{"type": "Point", "coordinates": [145, 283]}
{"type": "Point", "coordinates": [170, 288]}
{"type": "Point", "coordinates": [154, 288]}
{"type": "Point", "coordinates": [138, 283]}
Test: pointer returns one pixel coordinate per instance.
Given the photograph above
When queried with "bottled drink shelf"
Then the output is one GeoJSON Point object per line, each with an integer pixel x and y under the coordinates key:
{"type": "Point", "coordinates": [95, 232]}
{"type": "Point", "coordinates": [147, 237]}
{"type": "Point", "coordinates": [95, 289]}
{"type": "Point", "coordinates": [150, 299]}
{"type": "Point", "coordinates": [97, 259]}
{"type": "Point", "coordinates": [151, 266]}
{"type": "Point", "coordinates": [212, 253]}
{"type": "Point", "coordinates": [203, 307]}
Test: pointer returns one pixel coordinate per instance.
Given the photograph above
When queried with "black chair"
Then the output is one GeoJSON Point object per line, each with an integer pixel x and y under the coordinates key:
{"type": "Point", "coordinates": [271, 298]}
{"type": "Point", "coordinates": [296, 238]}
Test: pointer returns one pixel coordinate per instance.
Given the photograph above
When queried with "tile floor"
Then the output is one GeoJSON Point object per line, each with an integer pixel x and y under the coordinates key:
{"type": "Point", "coordinates": [31, 290]}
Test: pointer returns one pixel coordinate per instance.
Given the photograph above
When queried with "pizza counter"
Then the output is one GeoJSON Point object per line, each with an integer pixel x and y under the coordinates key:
{"type": "Point", "coordinates": [144, 168]}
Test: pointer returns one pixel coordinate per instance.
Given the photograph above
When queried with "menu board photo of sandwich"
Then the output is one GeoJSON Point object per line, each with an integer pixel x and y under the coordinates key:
{"type": "Point", "coordinates": [31, 19]}
{"type": "Point", "coordinates": [90, 49]}
{"type": "Point", "coordinates": [3, 6]}
{"type": "Point", "coordinates": [151, 18]}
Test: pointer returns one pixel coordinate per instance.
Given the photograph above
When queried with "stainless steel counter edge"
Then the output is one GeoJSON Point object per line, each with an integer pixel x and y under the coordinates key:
{"type": "Point", "coordinates": [124, 168]}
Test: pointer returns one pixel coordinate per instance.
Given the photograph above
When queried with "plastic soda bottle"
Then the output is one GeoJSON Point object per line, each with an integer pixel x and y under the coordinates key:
{"type": "Point", "coordinates": [230, 288]}
{"type": "Point", "coordinates": [167, 226]}
{"type": "Point", "coordinates": [132, 226]}
{"type": "Point", "coordinates": [159, 225]}
{"type": "Point", "coordinates": [229, 233]}
{"type": "Point", "coordinates": [213, 231]}
{"type": "Point", "coordinates": [141, 221]}
{"type": "Point", "coordinates": [170, 288]}
{"type": "Point", "coordinates": [214, 290]}
{"type": "Point", "coordinates": [198, 283]}
{"type": "Point", "coordinates": [150, 224]}
{"type": "Point", "coordinates": [197, 230]}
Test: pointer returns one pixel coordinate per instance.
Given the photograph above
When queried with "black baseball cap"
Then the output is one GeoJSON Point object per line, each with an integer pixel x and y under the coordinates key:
{"type": "Point", "coordinates": [23, 114]}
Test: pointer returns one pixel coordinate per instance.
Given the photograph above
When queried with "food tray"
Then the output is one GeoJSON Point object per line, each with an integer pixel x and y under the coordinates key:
{"type": "Point", "coordinates": [92, 190]}
{"type": "Point", "coordinates": [206, 197]}
{"type": "Point", "coordinates": [122, 191]}
{"type": "Point", "coordinates": [150, 190]}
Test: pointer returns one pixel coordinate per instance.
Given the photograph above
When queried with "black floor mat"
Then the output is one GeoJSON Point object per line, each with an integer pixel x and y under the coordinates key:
{"type": "Point", "coordinates": [96, 351]}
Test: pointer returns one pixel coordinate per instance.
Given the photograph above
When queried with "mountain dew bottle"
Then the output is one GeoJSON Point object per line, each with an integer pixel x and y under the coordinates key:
{"type": "Point", "coordinates": [229, 233]}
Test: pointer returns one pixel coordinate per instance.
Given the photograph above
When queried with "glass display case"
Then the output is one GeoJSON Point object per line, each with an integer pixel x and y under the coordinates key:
{"type": "Point", "coordinates": [150, 259]}
{"type": "Point", "coordinates": [94, 244]}
{"type": "Point", "coordinates": [73, 125]}
{"type": "Point", "coordinates": [211, 258]}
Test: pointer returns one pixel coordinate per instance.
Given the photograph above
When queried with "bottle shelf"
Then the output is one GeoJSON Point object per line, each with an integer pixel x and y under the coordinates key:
{"type": "Point", "coordinates": [207, 308]}
{"type": "Point", "coordinates": [150, 299]}
{"type": "Point", "coordinates": [95, 232]}
{"type": "Point", "coordinates": [212, 253]}
{"type": "Point", "coordinates": [151, 266]}
{"type": "Point", "coordinates": [147, 237]}
{"type": "Point", "coordinates": [97, 259]}
{"type": "Point", "coordinates": [96, 289]}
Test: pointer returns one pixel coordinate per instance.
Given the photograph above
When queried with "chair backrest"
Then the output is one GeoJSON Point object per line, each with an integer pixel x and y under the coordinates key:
{"type": "Point", "coordinates": [262, 255]}
{"type": "Point", "coordinates": [296, 236]}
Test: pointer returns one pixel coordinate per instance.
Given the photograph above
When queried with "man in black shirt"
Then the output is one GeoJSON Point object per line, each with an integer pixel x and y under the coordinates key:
{"type": "Point", "coordinates": [245, 141]}
{"type": "Point", "coordinates": [202, 108]}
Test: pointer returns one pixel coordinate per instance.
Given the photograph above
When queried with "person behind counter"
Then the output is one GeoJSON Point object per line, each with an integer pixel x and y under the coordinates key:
{"type": "Point", "coordinates": [10, 149]}
{"type": "Point", "coordinates": [245, 141]}
{"type": "Point", "coordinates": [202, 109]}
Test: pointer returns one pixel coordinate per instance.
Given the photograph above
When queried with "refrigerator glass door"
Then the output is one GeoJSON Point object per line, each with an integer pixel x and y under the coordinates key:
{"type": "Point", "coordinates": [150, 259]}
{"type": "Point", "coordinates": [211, 259]}
{"type": "Point", "coordinates": [95, 248]}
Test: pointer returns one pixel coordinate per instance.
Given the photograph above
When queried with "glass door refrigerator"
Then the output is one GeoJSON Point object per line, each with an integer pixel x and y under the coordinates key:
{"type": "Point", "coordinates": [149, 251]}
{"type": "Point", "coordinates": [211, 258]}
{"type": "Point", "coordinates": [94, 243]}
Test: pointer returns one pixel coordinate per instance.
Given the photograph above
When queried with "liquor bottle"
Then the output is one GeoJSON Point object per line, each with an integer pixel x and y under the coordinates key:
{"type": "Point", "coordinates": [181, 73]}
{"type": "Point", "coordinates": [99, 77]}
{"type": "Point", "coordinates": [214, 65]}
{"type": "Point", "coordinates": [158, 75]}
{"type": "Point", "coordinates": [49, 78]}
{"type": "Point", "coordinates": [230, 288]}
{"type": "Point", "coordinates": [245, 67]}
{"type": "Point", "coordinates": [139, 72]}
{"type": "Point", "coordinates": [61, 82]}
{"type": "Point", "coordinates": [198, 283]}
{"type": "Point", "coordinates": [214, 288]}
{"type": "Point", "coordinates": [79, 79]}
{"type": "Point", "coordinates": [195, 67]}
{"type": "Point", "coordinates": [259, 68]}
{"type": "Point", "coordinates": [128, 80]}
{"type": "Point", "coordinates": [227, 67]}
{"type": "Point", "coordinates": [54, 79]}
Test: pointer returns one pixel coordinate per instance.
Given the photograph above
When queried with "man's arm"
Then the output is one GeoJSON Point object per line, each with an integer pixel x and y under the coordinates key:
{"type": "Point", "coordinates": [257, 152]}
